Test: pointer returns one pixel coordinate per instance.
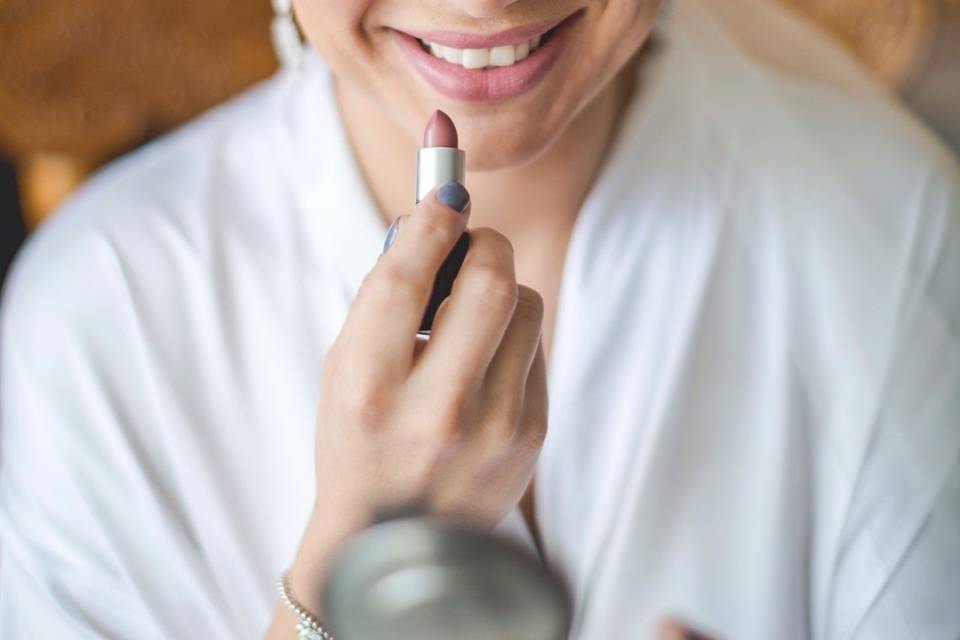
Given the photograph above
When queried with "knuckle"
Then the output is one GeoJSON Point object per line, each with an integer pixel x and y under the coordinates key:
{"type": "Point", "coordinates": [493, 286]}
{"type": "Point", "coordinates": [448, 424]}
{"type": "Point", "coordinates": [363, 406]}
{"type": "Point", "coordinates": [494, 242]}
{"type": "Point", "coordinates": [503, 247]}
{"type": "Point", "coordinates": [500, 433]}
{"type": "Point", "coordinates": [392, 282]}
{"type": "Point", "coordinates": [529, 305]}
{"type": "Point", "coordinates": [534, 433]}
{"type": "Point", "coordinates": [438, 225]}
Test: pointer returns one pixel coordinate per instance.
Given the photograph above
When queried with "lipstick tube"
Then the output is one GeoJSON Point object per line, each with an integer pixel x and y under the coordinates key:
{"type": "Point", "coordinates": [439, 162]}
{"type": "Point", "coordinates": [436, 166]}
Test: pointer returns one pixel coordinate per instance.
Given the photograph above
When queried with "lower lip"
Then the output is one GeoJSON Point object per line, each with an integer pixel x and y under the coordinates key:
{"type": "Point", "coordinates": [480, 85]}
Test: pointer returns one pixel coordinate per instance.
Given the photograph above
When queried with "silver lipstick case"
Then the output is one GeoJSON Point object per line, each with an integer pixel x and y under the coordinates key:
{"type": "Point", "coordinates": [436, 166]}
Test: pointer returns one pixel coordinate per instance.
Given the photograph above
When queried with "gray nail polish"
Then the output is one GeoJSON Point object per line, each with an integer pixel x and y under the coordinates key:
{"type": "Point", "coordinates": [391, 235]}
{"type": "Point", "coordinates": [453, 195]}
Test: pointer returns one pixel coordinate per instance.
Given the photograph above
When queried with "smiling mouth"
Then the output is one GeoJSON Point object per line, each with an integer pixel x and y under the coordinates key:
{"type": "Point", "coordinates": [487, 67]}
{"type": "Point", "coordinates": [501, 56]}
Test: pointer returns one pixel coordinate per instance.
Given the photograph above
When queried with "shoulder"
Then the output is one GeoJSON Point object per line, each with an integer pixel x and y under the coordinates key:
{"type": "Point", "coordinates": [863, 175]}
{"type": "Point", "coordinates": [807, 152]}
{"type": "Point", "coordinates": [176, 167]}
{"type": "Point", "coordinates": [861, 167]}
{"type": "Point", "coordinates": [780, 99]}
{"type": "Point", "coordinates": [842, 205]}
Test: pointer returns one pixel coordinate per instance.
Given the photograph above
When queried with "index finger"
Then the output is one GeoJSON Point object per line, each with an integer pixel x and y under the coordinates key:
{"type": "Point", "coordinates": [382, 323]}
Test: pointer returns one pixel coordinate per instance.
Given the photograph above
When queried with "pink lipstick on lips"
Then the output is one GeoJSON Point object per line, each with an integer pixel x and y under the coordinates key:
{"type": "Point", "coordinates": [491, 82]}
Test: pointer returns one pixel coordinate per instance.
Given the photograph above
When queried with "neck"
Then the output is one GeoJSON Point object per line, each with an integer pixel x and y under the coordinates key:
{"type": "Point", "coordinates": [522, 202]}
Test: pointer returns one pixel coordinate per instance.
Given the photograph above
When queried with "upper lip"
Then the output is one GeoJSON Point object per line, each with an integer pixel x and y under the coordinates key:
{"type": "Point", "coordinates": [461, 40]}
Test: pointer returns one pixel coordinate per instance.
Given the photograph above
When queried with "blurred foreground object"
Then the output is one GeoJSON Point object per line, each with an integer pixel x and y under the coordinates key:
{"type": "Point", "coordinates": [426, 577]}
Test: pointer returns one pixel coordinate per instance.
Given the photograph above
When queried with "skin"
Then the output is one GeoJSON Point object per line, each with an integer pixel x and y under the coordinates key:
{"type": "Point", "coordinates": [467, 413]}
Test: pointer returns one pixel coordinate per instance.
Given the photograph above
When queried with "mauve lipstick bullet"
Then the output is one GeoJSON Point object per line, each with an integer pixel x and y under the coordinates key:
{"type": "Point", "coordinates": [440, 160]}
{"type": "Point", "coordinates": [440, 132]}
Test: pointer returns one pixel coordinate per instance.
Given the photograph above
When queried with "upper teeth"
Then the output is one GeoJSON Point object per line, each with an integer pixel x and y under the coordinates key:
{"type": "Point", "coordinates": [503, 56]}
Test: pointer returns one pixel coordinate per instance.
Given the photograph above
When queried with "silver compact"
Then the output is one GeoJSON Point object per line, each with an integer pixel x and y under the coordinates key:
{"type": "Point", "coordinates": [429, 578]}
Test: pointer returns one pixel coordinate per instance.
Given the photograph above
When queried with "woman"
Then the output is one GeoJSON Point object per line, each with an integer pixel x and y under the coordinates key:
{"type": "Point", "coordinates": [737, 254]}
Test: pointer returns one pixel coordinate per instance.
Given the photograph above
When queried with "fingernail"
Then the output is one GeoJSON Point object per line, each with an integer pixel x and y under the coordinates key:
{"type": "Point", "coordinates": [453, 195]}
{"type": "Point", "coordinates": [391, 235]}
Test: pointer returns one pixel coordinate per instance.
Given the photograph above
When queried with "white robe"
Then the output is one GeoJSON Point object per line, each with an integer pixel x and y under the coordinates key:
{"type": "Point", "coordinates": [755, 379]}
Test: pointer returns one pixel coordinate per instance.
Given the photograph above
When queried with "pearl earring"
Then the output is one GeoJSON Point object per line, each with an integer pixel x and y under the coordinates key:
{"type": "Point", "coordinates": [286, 37]}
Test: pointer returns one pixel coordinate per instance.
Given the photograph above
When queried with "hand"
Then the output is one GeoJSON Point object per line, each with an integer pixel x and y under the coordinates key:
{"type": "Point", "coordinates": [456, 426]}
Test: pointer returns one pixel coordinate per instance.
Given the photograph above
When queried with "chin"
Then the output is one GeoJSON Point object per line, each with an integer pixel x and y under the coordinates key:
{"type": "Point", "coordinates": [498, 141]}
{"type": "Point", "coordinates": [493, 150]}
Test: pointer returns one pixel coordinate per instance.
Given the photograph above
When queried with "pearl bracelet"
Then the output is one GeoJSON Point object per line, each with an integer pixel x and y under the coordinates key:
{"type": "Point", "coordinates": [308, 627]}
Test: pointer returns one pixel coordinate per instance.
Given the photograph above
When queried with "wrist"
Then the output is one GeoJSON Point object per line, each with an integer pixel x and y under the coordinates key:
{"type": "Point", "coordinates": [323, 537]}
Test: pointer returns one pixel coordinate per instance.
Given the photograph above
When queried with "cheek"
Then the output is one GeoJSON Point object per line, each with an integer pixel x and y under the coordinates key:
{"type": "Point", "coordinates": [623, 29]}
{"type": "Point", "coordinates": [625, 26]}
{"type": "Point", "coordinates": [335, 29]}
{"type": "Point", "coordinates": [340, 31]}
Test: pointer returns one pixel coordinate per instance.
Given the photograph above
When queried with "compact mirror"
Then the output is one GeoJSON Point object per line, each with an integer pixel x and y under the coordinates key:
{"type": "Point", "coordinates": [424, 578]}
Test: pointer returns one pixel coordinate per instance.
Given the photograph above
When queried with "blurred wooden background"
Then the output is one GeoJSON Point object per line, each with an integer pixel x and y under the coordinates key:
{"type": "Point", "coordinates": [84, 81]}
